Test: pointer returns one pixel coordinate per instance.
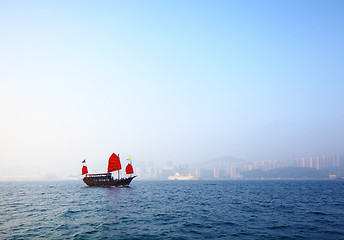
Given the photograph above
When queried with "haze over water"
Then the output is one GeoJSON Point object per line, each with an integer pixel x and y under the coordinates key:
{"type": "Point", "coordinates": [181, 81]}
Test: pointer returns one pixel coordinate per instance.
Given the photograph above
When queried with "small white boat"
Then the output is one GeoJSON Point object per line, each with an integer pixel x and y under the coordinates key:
{"type": "Point", "coordinates": [177, 176]}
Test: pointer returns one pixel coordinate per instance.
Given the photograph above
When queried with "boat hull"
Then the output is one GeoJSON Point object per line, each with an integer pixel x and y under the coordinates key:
{"type": "Point", "coordinates": [107, 182]}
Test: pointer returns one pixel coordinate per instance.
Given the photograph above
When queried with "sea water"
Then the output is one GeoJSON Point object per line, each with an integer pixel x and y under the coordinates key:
{"type": "Point", "coordinates": [275, 209]}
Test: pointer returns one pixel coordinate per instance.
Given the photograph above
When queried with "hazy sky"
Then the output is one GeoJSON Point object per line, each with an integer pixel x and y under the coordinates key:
{"type": "Point", "coordinates": [181, 81]}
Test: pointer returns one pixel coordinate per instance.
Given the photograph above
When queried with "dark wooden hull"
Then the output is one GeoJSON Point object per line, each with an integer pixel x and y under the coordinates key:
{"type": "Point", "coordinates": [107, 182]}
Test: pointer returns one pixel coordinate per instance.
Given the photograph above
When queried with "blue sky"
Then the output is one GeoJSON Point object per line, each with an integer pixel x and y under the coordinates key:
{"type": "Point", "coordinates": [182, 81]}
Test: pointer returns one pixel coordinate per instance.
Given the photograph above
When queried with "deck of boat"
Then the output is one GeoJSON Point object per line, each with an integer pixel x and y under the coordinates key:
{"type": "Point", "coordinates": [105, 180]}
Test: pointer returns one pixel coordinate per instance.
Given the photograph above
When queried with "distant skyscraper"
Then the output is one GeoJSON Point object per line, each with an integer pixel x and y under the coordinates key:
{"type": "Point", "coordinates": [216, 173]}
{"type": "Point", "coordinates": [317, 163]}
{"type": "Point", "coordinates": [198, 172]}
{"type": "Point", "coordinates": [310, 162]}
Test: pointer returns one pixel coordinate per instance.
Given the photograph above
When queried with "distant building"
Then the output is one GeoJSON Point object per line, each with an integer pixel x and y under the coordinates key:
{"type": "Point", "coordinates": [318, 162]}
{"type": "Point", "coordinates": [198, 172]}
{"type": "Point", "coordinates": [216, 173]}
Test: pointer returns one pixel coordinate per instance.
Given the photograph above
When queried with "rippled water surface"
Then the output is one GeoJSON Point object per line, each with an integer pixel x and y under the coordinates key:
{"type": "Point", "coordinates": [173, 210]}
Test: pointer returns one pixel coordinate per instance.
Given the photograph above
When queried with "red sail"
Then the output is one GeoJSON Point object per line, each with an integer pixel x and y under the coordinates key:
{"type": "Point", "coordinates": [84, 170]}
{"type": "Point", "coordinates": [129, 169]}
{"type": "Point", "coordinates": [114, 163]}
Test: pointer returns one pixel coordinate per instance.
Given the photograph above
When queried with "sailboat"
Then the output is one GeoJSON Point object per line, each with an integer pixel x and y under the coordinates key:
{"type": "Point", "coordinates": [106, 179]}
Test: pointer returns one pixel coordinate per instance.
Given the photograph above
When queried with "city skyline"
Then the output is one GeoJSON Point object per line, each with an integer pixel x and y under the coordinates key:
{"type": "Point", "coordinates": [230, 168]}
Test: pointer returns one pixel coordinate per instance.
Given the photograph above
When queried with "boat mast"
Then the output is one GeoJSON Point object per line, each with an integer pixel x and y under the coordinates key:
{"type": "Point", "coordinates": [131, 163]}
{"type": "Point", "coordinates": [118, 170]}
